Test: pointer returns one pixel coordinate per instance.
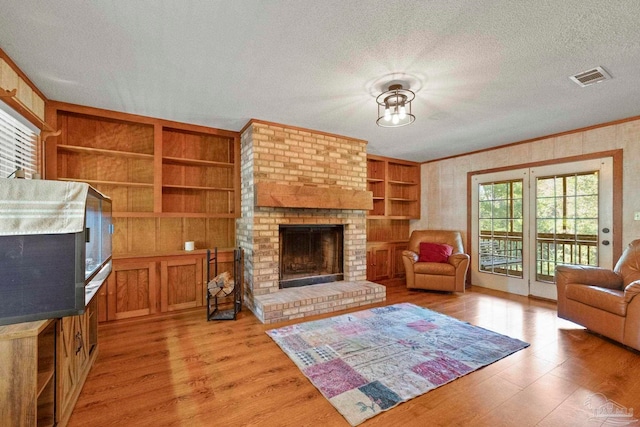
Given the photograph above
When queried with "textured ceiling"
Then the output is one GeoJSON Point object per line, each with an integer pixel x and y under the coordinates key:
{"type": "Point", "coordinates": [485, 73]}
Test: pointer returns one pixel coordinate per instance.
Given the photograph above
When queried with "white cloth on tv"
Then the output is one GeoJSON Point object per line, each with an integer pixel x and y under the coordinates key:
{"type": "Point", "coordinates": [30, 206]}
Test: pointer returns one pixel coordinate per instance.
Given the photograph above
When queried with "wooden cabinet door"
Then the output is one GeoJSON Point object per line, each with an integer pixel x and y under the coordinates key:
{"type": "Point", "coordinates": [92, 319]}
{"type": "Point", "coordinates": [68, 376]}
{"type": "Point", "coordinates": [131, 290]}
{"type": "Point", "coordinates": [74, 359]}
{"type": "Point", "coordinates": [101, 303]}
{"type": "Point", "coordinates": [397, 263]}
{"type": "Point", "coordinates": [379, 266]}
{"type": "Point", "coordinates": [82, 336]}
{"type": "Point", "coordinates": [181, 283]}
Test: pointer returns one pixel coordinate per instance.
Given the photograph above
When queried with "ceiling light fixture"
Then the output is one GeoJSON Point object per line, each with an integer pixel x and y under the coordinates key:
{"type": "Point", "coordinates": [394, 107]}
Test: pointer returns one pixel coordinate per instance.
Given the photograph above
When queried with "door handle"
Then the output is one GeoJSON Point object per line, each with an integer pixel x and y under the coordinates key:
{"type": "Point", "coordinates": [79, 342]}
{"type": "Point", "coordinates": [605, 242]}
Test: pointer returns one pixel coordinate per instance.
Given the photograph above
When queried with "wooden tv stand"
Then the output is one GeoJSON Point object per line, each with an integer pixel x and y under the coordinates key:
{"type": "Point", "coordinates": [44, 366]}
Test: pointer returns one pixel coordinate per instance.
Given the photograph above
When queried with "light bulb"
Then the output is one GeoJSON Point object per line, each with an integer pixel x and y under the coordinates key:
{"type": "Point", "coordinates": [395, 119]}
{"type": "Point", "coordinates": [387, 114]}
{"type": "Point", "coordinates": [403, 112]}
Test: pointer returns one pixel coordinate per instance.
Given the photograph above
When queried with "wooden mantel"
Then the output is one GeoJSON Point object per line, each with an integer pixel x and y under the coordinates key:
{"type": "Point", "coordinates": [272, 194]}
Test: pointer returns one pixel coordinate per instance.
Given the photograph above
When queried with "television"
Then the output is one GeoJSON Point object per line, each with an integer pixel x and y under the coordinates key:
{"type": "Point", "coordinates": [51, 273]}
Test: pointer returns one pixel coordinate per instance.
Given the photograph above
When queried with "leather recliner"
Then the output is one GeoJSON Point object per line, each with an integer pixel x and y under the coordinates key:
{"type": "Point", "coordinates": [447, 276]}
{"type": "Point", "coordinates": [604, 301]}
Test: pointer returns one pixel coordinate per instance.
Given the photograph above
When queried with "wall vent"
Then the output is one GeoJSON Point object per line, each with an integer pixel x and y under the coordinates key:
{"type": "Point", "coordinates": [589, 77]}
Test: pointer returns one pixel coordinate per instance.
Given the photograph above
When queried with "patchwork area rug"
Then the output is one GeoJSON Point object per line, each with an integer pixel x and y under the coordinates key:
{"type": "Point", "coordinates": [367, 362]}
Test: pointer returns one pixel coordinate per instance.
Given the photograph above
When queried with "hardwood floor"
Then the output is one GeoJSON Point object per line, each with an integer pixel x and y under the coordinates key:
{"type": "Point", "coordinates": [181, 370]}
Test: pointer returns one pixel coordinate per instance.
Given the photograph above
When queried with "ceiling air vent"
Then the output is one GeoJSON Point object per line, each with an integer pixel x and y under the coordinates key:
{"type": "Point", "coordinates": [589, 77]}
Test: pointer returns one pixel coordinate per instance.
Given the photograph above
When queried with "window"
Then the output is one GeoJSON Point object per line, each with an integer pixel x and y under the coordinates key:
{"type": "Point", "coordinates": [18, 149]}
{"type": "Point", "coordinates": [566, 222]}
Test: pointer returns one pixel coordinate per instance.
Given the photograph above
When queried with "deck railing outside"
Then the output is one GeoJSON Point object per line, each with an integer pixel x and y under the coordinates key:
{"type": "Point", "coordinates": [501, 253]}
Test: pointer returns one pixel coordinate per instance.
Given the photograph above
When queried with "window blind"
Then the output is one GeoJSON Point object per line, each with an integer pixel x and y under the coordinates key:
{"type": "Point", "coordinates": [17, 143]}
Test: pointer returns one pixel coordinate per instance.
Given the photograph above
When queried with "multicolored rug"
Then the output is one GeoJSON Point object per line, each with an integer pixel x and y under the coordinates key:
{"type": "Point", "coordinates": [367, 362]}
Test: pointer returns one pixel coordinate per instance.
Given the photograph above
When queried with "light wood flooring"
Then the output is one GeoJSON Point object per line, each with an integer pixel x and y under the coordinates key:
{"type": "Point", "coordinates": [181, 370]}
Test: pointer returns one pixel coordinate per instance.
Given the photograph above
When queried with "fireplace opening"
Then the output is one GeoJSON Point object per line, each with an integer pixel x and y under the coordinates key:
{"type": "Point", "coordinates": [310, 254]}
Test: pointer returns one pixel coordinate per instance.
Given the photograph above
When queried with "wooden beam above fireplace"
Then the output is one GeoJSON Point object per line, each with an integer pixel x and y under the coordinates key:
{"type": "Point", "coordinates": [272, 194]}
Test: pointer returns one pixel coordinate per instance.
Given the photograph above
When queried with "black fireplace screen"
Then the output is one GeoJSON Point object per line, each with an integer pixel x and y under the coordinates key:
{"type": "Point", "coordinates": [310, 254]}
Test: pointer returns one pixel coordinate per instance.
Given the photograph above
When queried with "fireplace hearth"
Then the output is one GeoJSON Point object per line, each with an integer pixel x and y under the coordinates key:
{"type": "Point", "coordinates": [310, 255]}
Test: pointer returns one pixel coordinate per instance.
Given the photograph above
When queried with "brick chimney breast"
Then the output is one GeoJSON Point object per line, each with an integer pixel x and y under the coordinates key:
{"type": "Point", "coordinates": [306, 177]}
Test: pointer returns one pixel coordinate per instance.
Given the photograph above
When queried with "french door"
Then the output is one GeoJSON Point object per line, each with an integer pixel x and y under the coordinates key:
{"type": "Point", "coordinates": [527, 221]}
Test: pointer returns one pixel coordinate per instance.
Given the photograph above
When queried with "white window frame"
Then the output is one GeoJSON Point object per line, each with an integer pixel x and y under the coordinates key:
{"type": "Point", "coordinates": [18, 144]}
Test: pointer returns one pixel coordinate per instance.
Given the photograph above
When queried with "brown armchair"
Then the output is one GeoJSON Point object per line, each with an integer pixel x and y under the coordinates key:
{"type": "Point", "coordinates": [602, 300]}
{"type": "Point", "coordinates": [438, 276]}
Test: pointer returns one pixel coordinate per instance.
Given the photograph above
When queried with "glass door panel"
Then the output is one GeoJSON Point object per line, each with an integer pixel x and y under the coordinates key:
{"type": "Point", "coordinates": [573, 219]}
{"type": "Point", "coordinates": [498, 229]}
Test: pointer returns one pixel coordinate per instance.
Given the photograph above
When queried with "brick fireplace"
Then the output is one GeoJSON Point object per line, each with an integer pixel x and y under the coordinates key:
{"type": "Point", "coordinates": [295, 176]}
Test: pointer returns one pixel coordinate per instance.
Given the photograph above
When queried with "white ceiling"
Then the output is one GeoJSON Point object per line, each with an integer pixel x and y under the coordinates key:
{"type": "Point", "coordinates": [485, 73]}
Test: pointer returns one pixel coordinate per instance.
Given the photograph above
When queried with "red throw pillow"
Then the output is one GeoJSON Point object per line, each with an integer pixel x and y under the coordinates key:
{"type": "Point", "coordinates": [434, 252]}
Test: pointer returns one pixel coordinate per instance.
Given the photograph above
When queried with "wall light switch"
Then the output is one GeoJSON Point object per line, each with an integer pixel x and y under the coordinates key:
{"type": "Point", "coordinates": [636, 216]}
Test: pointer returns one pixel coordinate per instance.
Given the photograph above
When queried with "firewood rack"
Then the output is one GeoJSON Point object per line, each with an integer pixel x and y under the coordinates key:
{"type": "Point", "coordinates": [222, 305]}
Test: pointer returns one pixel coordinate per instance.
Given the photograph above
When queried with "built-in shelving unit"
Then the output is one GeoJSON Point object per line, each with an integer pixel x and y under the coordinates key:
{"type": "Point", "coordinates": [396, 200]}
{"type": "Point", "coordinates": [156, 173]}
{"type": "Point", "coordinates": [169, 183]}
{"type": "Point", "coordinates": [396, 188]}
{"type": "Point", "coordinates": [114, 156]}
{"type": "Point", "coordinates": [376, 172]}
{"type": "Point", "coordinates": [198, 173]}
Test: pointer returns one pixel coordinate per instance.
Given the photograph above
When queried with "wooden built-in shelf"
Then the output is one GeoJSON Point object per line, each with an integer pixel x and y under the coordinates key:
{"type": "Point", "coordinates": [224, 252]}
{"type": "Point", "coordinates": [197, 187]}
{"type": "Point", "coordinates": [103, 152]}
{"type": "Point", "coordinates": [402, 182]}
{"type": "Point", "coordinates": [394, 217]}
{"type": "Point", "coordinates": [376, 169]}
{"type": "Point", "coordinates": [400, 199]}
{"type": "Point", "coordinates": [196, 162]}
{"type": "Point", "coordinates": [197, 215]}
{"type": "Point", "coordinates": [126, 214]}
{"type": "Point", "coordinates": [171, 215]}
{"type": "Point", "coordinates": [43, 380]}
{"type": "Point", "coordinates": [101, 182]}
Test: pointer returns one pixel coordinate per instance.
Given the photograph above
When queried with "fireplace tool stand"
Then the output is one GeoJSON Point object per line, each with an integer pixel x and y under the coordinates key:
{"type": "Point", "coordinates": [224, 290]}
